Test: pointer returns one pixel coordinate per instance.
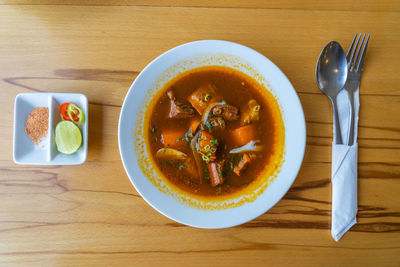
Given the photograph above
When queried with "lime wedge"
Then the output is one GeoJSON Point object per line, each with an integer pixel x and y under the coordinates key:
{"type": "Point", "coordinates": [68, 137]}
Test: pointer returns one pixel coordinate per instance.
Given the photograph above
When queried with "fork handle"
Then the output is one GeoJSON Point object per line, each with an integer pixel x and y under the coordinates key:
{"type": "Point", "coordinates": [336, 124]}
{"type": "Point", "coordinates": [350, 134]}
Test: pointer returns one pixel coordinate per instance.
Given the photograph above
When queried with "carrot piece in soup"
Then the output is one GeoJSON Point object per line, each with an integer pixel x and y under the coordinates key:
{"type": "Point", "coordinates": [173, 137]}
{"type": "Point", "coordinates": [243, 135]}
{"type": "Point", "coordinates": [208, 147]}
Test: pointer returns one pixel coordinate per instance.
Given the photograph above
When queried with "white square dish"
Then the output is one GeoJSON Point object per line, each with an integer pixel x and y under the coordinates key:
{"type": "Point", "coordinates": [45, 153]}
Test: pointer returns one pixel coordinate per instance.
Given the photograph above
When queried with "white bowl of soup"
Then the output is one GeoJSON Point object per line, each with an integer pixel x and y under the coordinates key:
{"type": "Point", "coordinates": [212, 134]}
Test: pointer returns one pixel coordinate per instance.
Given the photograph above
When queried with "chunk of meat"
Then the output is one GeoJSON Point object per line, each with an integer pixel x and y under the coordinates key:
{"type": "Point", "coordinates": [216, 123]}
{"type": "Point", "coordinates": [207, 147]}
{"type": "Point", "coordinates": [228, 112]}
{"type": "Point", "coordinates": [179, 110]}
{"type": "Point", "coordinates": [177, 159]}
{"type": "Point", "coordinates": [203, 96]}
{"type": "Point", "coordinates": [250, 112]}
{"type": "Point", "coordinates": [243, 163]}
{"type": "Point", "coordinates": [216, 172]}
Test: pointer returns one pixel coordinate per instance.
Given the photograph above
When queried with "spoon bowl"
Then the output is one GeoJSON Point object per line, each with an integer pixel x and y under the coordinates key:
{"type": "Point", "coordinates": [331, 76]}
{"type": "Point", "coordinates": [331, 70]}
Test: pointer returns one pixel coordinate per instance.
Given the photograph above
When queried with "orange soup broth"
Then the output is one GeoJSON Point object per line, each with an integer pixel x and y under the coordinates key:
{"type": "Point", "coordinates": [236, 88]}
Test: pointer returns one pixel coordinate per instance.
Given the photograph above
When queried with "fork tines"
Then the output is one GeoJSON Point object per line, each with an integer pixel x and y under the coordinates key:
{"type": "Point", "coordinates": [355, 61]}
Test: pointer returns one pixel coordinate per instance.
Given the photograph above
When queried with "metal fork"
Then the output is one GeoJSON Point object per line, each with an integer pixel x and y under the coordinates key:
{"type": "Point", "coordinates": [355, 62]}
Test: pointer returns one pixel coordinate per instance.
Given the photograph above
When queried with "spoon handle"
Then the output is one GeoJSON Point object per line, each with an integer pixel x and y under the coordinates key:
{"type": "Point", "coordinates": [350, 137]}
{"type": "Point", "coordinates": [336, 125]}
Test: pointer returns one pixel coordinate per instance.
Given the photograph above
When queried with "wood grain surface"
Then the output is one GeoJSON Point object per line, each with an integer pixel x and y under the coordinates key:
{"type": "Point", "coordinates": [90, 215]}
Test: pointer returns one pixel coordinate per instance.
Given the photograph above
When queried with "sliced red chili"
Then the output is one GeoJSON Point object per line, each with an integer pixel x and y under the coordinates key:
{"type": "Point", "coordinates": [72, 112]}
{"type": "Point", "coordinates": [76, 114]}
{"type": "Point", "coordinates": [64, 111]}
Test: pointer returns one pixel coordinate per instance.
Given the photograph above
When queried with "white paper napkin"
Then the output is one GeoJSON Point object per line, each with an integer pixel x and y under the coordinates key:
{"type": "Point", "coordinates": [344, 171]}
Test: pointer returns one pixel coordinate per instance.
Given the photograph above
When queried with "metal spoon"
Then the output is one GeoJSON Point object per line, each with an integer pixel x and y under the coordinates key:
{"type": "Point", "coordinates": [331, 75]}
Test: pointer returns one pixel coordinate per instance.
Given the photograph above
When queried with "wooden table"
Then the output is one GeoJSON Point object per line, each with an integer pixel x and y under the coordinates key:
{"type": "Point", "coordinates": [91, 215]}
